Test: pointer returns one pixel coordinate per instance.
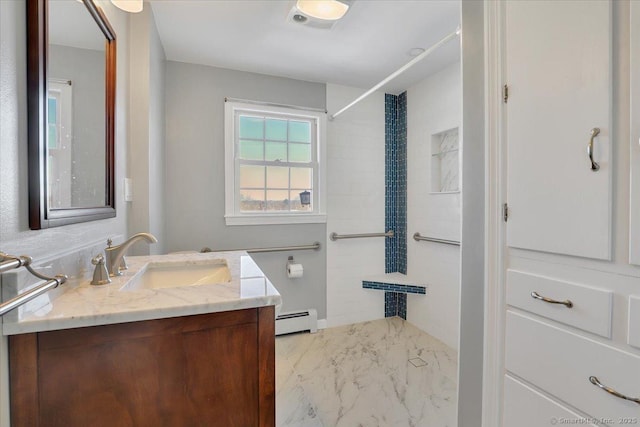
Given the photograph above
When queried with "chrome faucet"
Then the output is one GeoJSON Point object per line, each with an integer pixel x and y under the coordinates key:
{"type": "Point", "coordinates": [115, 254]}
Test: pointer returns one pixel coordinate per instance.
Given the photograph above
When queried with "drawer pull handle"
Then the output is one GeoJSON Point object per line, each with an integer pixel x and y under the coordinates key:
{"type": "Point", "coordinates": [596, 382]}
{"type": "Point", "coordinates": [566, 303]}
{"type": "Point", "coordinates": [594, 166]}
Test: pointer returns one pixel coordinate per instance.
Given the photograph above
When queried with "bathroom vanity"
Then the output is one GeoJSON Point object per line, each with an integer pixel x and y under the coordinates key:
{"type": "Point", "coordinates": [142, 352]}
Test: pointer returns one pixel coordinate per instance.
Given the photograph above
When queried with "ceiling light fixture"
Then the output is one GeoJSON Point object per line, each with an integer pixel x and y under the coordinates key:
{"type": "Point", "coordinates": [329, 10]}
{"type": "Point", "coordinates": [132, 6]}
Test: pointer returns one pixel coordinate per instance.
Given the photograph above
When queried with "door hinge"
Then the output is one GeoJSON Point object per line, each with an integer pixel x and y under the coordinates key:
{"type": "Point", "coordinates": [505, 93]}
{"type": "Point", "coordinates": [505, 212]}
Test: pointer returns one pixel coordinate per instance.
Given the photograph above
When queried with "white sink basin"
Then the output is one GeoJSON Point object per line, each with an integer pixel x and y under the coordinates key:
{"type": "Point", "coordinates": [160, 275]}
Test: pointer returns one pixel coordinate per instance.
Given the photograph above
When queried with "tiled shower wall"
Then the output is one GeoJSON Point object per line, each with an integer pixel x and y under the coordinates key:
{"type": "Point", "coordinates": [355, 204]}
{"type": "Point", "coordinates": [433, 106]}
{"type": "Point", "coordinates": [396, 197]}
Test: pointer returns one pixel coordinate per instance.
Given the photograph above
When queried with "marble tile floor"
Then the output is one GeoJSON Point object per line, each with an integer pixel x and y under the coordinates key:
{"type": "Point", "coordinates": [380, 373]}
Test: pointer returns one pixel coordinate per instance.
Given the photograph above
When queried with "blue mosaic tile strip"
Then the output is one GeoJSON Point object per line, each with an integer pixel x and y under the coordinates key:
{"type": "Point", "coordinates": [396, 182]}
{"type": "Point", "coordinates": [394, 287]}
{"type": "Point", "coordinates": [390, 162]}
{"type": "Point", "coordinates": [395, 172]}
{"type": "Point", "coordinates": [390, 304]}
{"type": "Point", "coordinates": [401, 184]}
{"type": "Point", "coordinates": [402, 305]}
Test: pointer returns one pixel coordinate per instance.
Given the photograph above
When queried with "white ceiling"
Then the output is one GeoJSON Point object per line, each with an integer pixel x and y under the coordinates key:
{"type": "Point", "coordinates": [369, 43]}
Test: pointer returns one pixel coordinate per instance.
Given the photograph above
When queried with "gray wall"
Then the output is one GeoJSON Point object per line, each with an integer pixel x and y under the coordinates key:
{"type": "Point", "coordinates": [194, 101]}
{"type": "Point", "coordinates": [83, 67]}
{"type": "Point", "coordinates": [157, 122]}
{"type": "Point", "coordinates": [147, 167]}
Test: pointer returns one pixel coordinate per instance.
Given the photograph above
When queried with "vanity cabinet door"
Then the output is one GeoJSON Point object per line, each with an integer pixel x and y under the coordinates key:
{"type": "Point", "coordinates": [558, 72]}
{"type": "Point", "coordinates": [206, 370]}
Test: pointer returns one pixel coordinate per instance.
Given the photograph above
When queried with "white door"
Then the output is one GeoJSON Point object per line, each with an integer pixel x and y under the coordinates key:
{"type": "Point", "coordinates": [558, 68]}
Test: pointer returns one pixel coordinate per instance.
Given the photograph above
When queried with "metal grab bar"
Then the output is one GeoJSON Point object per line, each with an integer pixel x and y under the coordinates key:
{"type": "Point", "coordinates": [418, 238]}
{"type": "Point", "coordinates": [336, 236]}
{"type": "Point", "coordinates": [316, 246]}
{"type": "Point", "coordinates": [31, 294]}
{"type": "Point", "coordinates": [9, 262]}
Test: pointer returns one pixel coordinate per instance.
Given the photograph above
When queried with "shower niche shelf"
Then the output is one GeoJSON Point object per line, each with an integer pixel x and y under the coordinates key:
{"type": "Point", "coordinates": [445, 162]}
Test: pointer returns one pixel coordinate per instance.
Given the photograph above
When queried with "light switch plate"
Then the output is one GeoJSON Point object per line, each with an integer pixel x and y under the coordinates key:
{"type": "Point", "coordinates": [128, 190]}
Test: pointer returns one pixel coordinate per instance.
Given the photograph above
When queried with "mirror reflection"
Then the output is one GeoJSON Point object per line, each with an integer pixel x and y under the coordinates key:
{"type": "Point", "coordinates": [76, 108]}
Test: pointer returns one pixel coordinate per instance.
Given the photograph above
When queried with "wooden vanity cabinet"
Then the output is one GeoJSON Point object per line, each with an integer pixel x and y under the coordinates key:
{"type": "Point", "coordinates": [213, 369]}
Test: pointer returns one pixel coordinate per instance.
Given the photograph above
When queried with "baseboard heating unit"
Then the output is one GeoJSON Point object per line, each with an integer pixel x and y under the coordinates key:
{"type": "Point", "coordinates": [297, 321]}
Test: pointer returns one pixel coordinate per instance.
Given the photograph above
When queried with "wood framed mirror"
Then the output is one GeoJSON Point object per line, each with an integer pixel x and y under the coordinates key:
{"type": "Point", "coordinates": [71, 86]}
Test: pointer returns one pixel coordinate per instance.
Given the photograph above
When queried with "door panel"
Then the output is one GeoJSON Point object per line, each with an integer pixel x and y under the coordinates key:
{"type": "Point", "coordinates": [558, 68]}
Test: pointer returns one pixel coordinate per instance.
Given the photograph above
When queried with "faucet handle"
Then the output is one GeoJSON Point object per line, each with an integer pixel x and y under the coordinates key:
{"type": "Point", "coordinates": [100, 273]}
{"type": "Point", "coordinates": [109, 242]}
{"type": "Point", "coordinates": [123, 264]}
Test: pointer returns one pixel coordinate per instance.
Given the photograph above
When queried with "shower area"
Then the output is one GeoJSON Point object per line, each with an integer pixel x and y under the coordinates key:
{"type": "Point", "coordinates": [389, 355]}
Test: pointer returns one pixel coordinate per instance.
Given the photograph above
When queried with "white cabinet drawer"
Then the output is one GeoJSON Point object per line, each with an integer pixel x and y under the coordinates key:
{"type": "Point", "coordinates": [591, 310]}
{"type": "Point", "coordinates": [561, 362]}
{"type": "Point", "coordinates": [525, 407]}
{"type": "Point", "coordinates": [634, 321]}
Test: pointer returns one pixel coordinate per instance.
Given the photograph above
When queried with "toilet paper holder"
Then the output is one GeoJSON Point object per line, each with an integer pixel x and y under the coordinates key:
{"type": "Point", "coordinates": [294, 270]}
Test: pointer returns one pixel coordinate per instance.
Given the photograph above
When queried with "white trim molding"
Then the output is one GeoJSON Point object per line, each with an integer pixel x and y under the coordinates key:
{"type": "Point", "coordinates": [493, 370]}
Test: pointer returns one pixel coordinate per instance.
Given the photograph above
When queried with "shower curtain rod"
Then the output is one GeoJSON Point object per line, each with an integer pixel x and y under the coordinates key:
{"type": "Point", "coordinates": [398, 72]}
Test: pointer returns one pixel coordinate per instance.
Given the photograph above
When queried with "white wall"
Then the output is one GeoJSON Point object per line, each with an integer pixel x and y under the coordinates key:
{"type": "Point", "coordinates": [433, 105]}
{"type": "Point", "coordinates": [355, 204]}
{"type": "Point", "coordinates": [147, 132]}
{"type": "Point", "coordinates": [15, 236]}
{"type": "Point", "coordinates": [195, 175]}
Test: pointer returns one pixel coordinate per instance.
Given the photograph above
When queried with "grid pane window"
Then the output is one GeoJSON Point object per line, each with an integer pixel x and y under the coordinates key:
{"type": "Point", "coordinates": [276, 162]}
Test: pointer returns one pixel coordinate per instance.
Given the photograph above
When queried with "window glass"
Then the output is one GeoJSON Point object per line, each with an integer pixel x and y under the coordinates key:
{"type": "Point", "coordinates": [251, 127]}
{"type": "Point", "coordinates": [300, 153]}
{"type": "Point", "coordinates": [277, 200]}
{"type": "Point", "coordinates": [301, 178]}
{"type": "Point", "coordinates": [251, 150]}
{"type": "Point", "coordinates": [276, 151]}
{"type": "Point", "coordinates": [277, 177]}
{"type": "Point", "coordinates": [299, 131]}
{"type": "Point", "coordinates": [251, 176]}
{"type": "Point", "coordinates": [276, 129]}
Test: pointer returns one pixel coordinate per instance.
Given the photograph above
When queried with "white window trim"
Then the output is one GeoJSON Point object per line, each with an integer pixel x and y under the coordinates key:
{"type": "Point", "coordinates": [234, 217]}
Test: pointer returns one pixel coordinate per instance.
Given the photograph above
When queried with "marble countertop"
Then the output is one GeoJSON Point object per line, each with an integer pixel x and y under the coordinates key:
{"type": "Point", "coordinates": [82, 304]}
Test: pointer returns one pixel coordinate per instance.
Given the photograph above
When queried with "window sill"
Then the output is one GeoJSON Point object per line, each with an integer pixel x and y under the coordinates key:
{"type": "Point", "coordinates": [275, 219]}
